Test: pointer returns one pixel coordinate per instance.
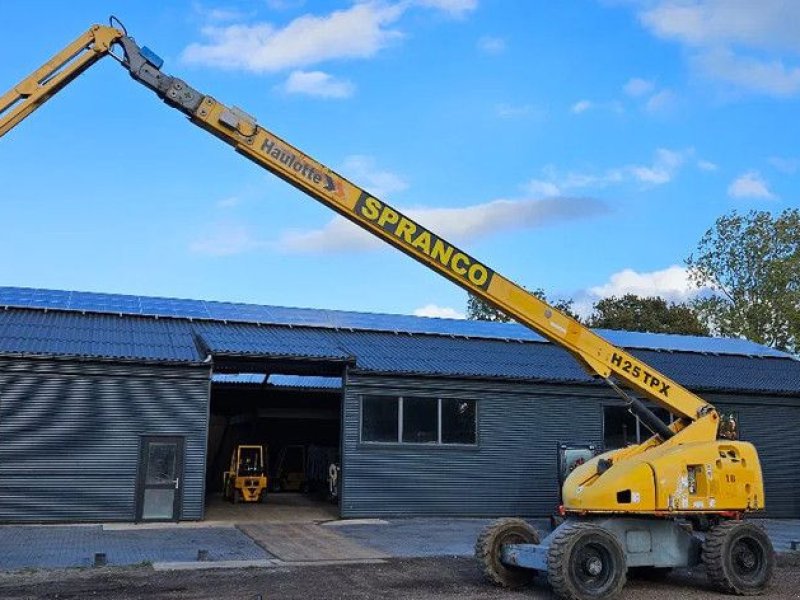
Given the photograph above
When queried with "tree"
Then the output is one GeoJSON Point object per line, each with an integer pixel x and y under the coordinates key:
{"type": "Point", "coordinates": [653, 314]}
{"type": "Point", "coordinates": [751, 265]}
{"type": "Point", "coordinates": [479, 310]}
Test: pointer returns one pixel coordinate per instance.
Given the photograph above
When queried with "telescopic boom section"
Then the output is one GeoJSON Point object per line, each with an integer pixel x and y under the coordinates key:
{"type": "Point", "coordinates": [266, 149]}
{"type": "Point", "coordinates": [42, 84]}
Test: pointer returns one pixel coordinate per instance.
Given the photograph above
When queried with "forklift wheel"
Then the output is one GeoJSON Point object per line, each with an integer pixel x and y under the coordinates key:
{"type": "Point", "coordinates": [263, 497]}
{"type": "Point", "coordinates": [585, 562]}
{"type": "Point", "coordinates": [236, 497]}
{"type": "Point", "coordinates": [739, 558]}
{"type": "Point", "coordinates": [489, 545]}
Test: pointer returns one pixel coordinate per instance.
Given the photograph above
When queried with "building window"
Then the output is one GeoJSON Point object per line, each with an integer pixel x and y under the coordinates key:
{"type": "Point", "coordinates": [379, 419]}
{"type": "Point", "coordinates": [414, 420]}
{"type": "Point", "coordinates": [621, 428]}
{"type": "Point", "coordinates": [420, 420]}
{"type": "Point", "coordinates": [458, 421]}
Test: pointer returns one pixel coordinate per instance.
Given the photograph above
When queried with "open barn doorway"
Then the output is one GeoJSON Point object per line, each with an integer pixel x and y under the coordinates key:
{"type": "Point", "coordinates": [279, 436]}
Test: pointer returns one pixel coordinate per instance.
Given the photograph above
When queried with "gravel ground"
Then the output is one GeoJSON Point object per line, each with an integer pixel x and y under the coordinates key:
{"type": "Point", "coordinates": [420, 579]}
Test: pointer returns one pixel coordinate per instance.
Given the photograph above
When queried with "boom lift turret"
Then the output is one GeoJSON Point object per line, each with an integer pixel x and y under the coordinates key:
{"type": "Point", "coordinates": [676, 499]}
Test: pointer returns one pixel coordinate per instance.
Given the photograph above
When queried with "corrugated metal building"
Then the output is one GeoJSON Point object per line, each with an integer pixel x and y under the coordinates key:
{"type": "Point", "coordinates": [122, 407]}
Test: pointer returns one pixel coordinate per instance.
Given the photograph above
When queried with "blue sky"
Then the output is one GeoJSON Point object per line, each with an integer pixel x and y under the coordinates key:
{"type": "Point", "coordinates": [581, 147]}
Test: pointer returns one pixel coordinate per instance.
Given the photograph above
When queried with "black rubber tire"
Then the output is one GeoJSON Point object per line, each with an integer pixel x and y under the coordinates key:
{"type": "Point", "coordinates": [236, 496]}
{"type": "Point", "coordinates": [568, 563]}
{"type": "Point", "coordinates": [649, 573]}
{"type": "Point", "coordinates": [487, 552]}
{"type": "Point", "coordinates": [739, 558]}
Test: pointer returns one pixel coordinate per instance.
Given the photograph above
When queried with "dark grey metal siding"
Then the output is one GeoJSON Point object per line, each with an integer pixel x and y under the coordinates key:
{"type": "Point", "coordinates": [512, 471]}
{"type": "Point", "coordinates": [771, 424]}
{"type": "Point", "coordinates": [70, 430]}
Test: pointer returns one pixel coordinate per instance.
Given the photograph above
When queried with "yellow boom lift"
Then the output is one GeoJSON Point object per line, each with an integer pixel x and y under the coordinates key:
{"type": "Point", "coordinates": [674, 500]}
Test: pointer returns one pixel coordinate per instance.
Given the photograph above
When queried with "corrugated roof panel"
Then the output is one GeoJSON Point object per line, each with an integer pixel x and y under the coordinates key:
{"type": "Point", "coordinates": [105, 336]}
{"type": "Point", "coordinates": [113, 336]}
{"type": "Point", "coordinates": [460, 357]}
{"type": "Point", "coordinates": [239, 378]}
{"type": "Point", "coordinates": [270, 341]}
{"type": "Point", "coordinates": [333, 319]}
{"type": "Point", "coordinates": [283, 381]}
{"type": "Point", "coordinates": [305, 382]}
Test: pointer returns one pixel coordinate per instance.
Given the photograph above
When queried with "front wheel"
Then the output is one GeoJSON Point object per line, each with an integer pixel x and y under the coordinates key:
{"type": "Point", "coordinates": [489, 546]}
{"type": "Point", "coordinates": [586, 562]}
{"type": "Point", "coordinates": [739, 558]}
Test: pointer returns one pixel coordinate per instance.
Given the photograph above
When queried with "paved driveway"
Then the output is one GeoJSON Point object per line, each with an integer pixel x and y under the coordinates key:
{"type": "Point", "coordinates": [75, 546]}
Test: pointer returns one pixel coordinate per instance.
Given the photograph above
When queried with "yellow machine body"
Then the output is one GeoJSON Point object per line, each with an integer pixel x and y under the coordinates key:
{"type": "Point", "coordinates": [719, 476]}
{"type": "Point", "coordinates": [682, 475]}
{"type": "Point", "coordinates": [246, 479]}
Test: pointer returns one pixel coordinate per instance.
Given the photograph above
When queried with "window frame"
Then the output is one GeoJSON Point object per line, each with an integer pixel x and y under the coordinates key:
{"type": "Point", "coordinates": [642, 433]}
{"type": "Point", "coordinates": [438, 444]}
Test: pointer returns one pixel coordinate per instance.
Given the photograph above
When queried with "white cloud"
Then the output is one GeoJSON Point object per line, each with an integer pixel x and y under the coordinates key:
{"type": "Point", "coordinates": [765, 23]}
{"type": "Point", "coordinates": [379, 182]}
{"type": "Point", "coordinates": [637, 87]}
{"type": "Point", "coordinates": [769, 77]}
{"type": "Point", "coordinates": [785, 165]}
{"type": "Point", "coordinates": [663, 169]}
{"type": "Point", "coordinates": [660, 101]}
{"type": "Point", "coordinates": [356, 32]}
{"type": "Point", "coordinates": [456, 8]}
{"type": "Point", "coordinates": [671, 283]}
{"type": "Point", "coordinates": [225, 239]}
{"type": "Point", "coordinates": [317, 83]}
{"type": "Point", "coordinates": [706, 165]}
{"type": "Point", "coordinates": [359, 31]}
{"type": "Point", "coordinates": [220, 15]}
{"type": "Point", "coordinates": [439, 312]}
{"type": "Point", "coordinates": [738, 42]}
{"type": "Point", "coordinates": [491, 45]}
{"type": "Point", "coordinates": [456, 224]}
{"type": "Point", "coordinates": [581, 106]}
{"type": "Point", "coordinates": [542, 189]}
{"type": "Point", "coordinates": [750, 185]}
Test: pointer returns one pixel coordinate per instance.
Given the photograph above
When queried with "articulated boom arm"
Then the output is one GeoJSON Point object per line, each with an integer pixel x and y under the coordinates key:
{"type": "Point", "coordinates": [266, 149]}
{"type": "Point", "coordinates": [42, 84]}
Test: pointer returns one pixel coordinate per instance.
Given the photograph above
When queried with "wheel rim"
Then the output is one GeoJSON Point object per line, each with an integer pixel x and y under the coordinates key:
{"type": "Point", "coordinates": [592, 566]}
{"type": "Point", "coordinates": [748, 560]}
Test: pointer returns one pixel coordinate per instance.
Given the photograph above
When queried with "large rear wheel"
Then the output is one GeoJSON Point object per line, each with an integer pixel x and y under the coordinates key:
{"type": "Point", "coordinates": [586, 562]}
{"type": "Point", "coordinates": [489, 546]}
{"type": "Point", "coordinates": [739, 558]}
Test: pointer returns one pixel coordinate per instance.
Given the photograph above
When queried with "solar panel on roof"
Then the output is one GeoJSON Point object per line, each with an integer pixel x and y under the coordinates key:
{"type": "Point", "coordinates": [279, 315]}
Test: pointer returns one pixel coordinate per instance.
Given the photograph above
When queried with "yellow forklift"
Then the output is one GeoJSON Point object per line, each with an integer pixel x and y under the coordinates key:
{"type": "Point", "coordinates": [246, 479]}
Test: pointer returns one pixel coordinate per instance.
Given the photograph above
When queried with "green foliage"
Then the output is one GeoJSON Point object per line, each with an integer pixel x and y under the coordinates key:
{"type": "Point", "coordinates": [479, 310]}
{"type": "Point", "coordinates": [654, 314]}
{"type": "Point", "coordinates": [752, 264]}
